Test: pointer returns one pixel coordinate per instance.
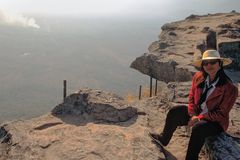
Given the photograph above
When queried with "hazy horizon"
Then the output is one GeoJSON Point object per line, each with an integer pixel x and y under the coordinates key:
{"type": "Point", "coordinates": [25, 11]}
{"type": "Point", "coordinates": [87, 53]}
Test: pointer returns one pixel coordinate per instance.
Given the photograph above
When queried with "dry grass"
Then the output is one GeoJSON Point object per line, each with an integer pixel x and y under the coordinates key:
{"type": "Point", "coordinates": [130, 97]}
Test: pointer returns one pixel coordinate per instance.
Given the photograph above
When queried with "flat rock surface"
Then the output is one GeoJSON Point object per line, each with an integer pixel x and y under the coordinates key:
{"type": "Point", "coordinates": [75, 135]}
{"type": "Point", "coordinates": [79, 136]}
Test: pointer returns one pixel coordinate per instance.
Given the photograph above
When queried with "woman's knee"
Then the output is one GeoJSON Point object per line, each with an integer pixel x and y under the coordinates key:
{"type": "Point", "coordinates": [200, 128]}
{"type": "Point", "coordinates": [178, 114]}
{"type": "Point", "coordinates": [177, 110]}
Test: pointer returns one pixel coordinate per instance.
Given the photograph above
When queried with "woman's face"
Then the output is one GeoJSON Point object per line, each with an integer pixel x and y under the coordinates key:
{"type": "Point", "coordinates": [211, 66]}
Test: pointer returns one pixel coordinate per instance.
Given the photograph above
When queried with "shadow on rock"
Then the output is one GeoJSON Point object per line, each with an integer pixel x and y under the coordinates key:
{"type": "Point", "coordinates": [94, 106]}
{"type": "Point", "coordinates": [168, 155]}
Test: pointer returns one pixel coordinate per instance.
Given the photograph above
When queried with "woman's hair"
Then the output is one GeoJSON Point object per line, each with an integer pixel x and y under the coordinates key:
{"type": "Point", "coordinates": [223, 78]}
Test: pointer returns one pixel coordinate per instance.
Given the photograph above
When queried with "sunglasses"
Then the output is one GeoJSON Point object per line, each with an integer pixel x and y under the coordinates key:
{"type": "Point", "coordinates": [212, 62]}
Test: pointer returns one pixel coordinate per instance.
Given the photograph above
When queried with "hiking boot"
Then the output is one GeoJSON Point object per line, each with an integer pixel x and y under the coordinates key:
{"type": "Point", "coordinates": [158, 138]}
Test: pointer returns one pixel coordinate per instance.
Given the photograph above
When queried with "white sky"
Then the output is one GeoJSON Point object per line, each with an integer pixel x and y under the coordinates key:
{"type": "Point", "coordinates": [82, 7]}
{"type": "Point", "coordinates": [118, 7]}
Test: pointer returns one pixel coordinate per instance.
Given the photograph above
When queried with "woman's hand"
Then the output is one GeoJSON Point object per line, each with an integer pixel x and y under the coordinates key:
{"type": "Point", "coordinates": [193, 120]}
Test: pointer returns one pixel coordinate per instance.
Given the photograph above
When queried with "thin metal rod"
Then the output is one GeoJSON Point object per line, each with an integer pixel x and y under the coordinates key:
{"type": "Point", "coordinates": [140, 92]}
{"type": "Point", "coordinates": [150, 86]}
{"type": "Point", "coordinates": [156, 87]}
{"type": "Point", "coordinates": [64, 89]}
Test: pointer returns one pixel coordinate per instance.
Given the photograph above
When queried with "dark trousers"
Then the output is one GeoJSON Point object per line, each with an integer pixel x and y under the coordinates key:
{"type": "Point", "coordinates": [178, 116]}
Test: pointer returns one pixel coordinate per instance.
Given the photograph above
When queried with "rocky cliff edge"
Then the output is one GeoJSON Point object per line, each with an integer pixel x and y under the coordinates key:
{"type": "Point", "coordinates": [169, 58]}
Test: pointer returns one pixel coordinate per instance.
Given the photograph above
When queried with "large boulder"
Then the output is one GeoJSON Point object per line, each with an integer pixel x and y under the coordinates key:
{"type": "Point", "coordinates": [223, 146]}
{"type": "Point", "coordinates": [232, 50]}
{"type": "Point", "coordinates": [95, 105]}
{"type": "Point", "coordinates": [167, 71]}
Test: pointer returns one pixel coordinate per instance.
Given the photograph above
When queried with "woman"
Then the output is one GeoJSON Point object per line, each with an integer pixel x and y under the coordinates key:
{"type": "Point", "coordinates": [211, 97]}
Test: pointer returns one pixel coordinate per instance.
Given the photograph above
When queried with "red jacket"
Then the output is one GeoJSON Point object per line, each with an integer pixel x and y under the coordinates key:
{"type": "Point", "coordinates": [219, 103]}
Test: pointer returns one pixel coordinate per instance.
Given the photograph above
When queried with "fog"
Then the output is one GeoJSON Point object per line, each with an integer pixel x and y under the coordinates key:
{"type": "Point", "coordinates": [87, 53]}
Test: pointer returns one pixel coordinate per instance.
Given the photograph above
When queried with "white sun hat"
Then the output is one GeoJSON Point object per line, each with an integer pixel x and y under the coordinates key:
{"type": "Point", "coordinates": [211, 54]}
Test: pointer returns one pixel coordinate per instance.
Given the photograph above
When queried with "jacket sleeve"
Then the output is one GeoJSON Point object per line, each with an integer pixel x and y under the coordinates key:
{"type": "Point", "coordinates": [191, 105]}
{"type": "Point", "coordinates": [222, 111]}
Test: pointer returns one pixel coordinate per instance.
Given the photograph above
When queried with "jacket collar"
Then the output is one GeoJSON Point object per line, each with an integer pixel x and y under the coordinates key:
{"type": "Point", "coordinates": [217, 91]}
